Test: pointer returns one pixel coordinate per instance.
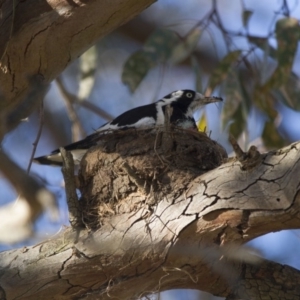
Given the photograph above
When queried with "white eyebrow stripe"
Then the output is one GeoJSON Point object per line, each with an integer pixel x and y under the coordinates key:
{"type": "Point", "coordinates": [175, 96]}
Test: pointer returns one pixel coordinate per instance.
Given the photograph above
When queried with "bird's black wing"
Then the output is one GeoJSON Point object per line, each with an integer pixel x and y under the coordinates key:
{"type": "Point", "coordinates": [132, 116]}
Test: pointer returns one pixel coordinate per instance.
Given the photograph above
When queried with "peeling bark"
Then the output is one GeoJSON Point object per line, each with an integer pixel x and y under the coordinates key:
{"type": "Point", "coordinates": [172, 242]}
{"type": "Point", "coordinates": [47, 36]}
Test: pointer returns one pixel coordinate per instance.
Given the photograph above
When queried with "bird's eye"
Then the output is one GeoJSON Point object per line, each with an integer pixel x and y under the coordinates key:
{"type": "Point", "coordinates": [189, 95]}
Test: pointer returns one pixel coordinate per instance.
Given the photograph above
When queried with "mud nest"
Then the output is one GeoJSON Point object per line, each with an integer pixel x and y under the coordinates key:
{"type": "Point", "coordinates": [131, 169]}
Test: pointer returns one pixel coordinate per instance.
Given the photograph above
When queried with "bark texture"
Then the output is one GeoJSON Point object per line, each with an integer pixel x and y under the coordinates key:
{"type": "Point", "coordinates": [179, 234]}
{"type": "Point", "coordinates": [42, 38]}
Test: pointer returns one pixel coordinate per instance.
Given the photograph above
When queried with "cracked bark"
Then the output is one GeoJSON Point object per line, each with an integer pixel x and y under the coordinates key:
{"type": "Point", "coordinates": [174, 242]}
{"type": "Point", "coordinates": [47, 36]}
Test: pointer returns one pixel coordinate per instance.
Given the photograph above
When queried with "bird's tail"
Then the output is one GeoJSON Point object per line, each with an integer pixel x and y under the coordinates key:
{"type": "Point", "coordinates": [77, 149]}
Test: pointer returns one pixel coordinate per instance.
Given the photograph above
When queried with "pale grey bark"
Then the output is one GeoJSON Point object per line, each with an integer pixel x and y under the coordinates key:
{"type": "Point", "coordinates": [176, 244]}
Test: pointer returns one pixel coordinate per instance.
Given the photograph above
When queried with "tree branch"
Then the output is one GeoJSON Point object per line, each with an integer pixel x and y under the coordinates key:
{"type": "Point", "coordinates": [47, 37]}
{"type": "Point", "coordinates": [76, 127]}
{"type": "Point", "coordinates": [16, 218]}
{"type": "Point", "coordinates": [178, 243]}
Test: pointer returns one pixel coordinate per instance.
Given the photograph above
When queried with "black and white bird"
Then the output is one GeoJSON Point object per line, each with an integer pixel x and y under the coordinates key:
{"type": "Point", "coordinates": [183, 105]}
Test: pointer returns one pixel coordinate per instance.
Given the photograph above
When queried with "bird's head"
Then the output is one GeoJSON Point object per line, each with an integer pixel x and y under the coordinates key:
{"type": "Point", "coordinates": [189, 101]}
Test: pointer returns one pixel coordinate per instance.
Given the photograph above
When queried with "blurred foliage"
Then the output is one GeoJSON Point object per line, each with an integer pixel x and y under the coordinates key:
{"type": "Point", "coordinates": [271, 136]}
{"type": "Point", "coordinates": [163, 46]}
{"type": "Point", "coordinates": [247, 80]}
{"type": "Point", "coordinates": [287, 34]}
{"type": "Point", "coordinates": [235, 109]}
{"type": "Point", "coordinates": [87, 68]}
{"type": "Point", "coordinates": [221, 72]}
{"type": "Point", "coordinates": [246, 16]}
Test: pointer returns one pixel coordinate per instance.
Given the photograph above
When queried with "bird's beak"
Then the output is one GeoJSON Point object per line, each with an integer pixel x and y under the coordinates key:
{"type": "Point", "coordinates": [206, 100]}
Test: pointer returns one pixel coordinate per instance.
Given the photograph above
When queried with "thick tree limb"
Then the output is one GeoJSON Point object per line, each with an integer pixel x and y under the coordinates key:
{"type": "Point", "coordinates": [48, 35]}
{"type": "Point", "coordinates": [178, 244]}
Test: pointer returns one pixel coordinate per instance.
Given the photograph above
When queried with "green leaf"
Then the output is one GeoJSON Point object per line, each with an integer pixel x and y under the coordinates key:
{"type": "Point", "coordinates": [291, 92]}
{"type": "Point", "coordinates": [237, 105]}
{"type": "Point", "coordinates": [247, 99]}
{"type": "Point", "coordinates": [136, 68]}
{"type": "Point", "coordinates": [283, 85]}
{"type": "Point", "coordinates": [185, 47]}
{"type": "Point", "coordinates": [263, 74]}
{"type": "Point", "coordinates": [161, 44]}
{"type": "Point", "coordinates": [88, 66]}
{"type": "Point", "coordinates": [246, 16]}
{"type": "Point", "coordinates": [157, 48]}
{"type": "Point", "coordinates": [264, 45]}
{"type": "Point", "coordinates": [271, 137]}
{"type": "Point", "coordinates": [287, 34]}
{"type": "Point", "coordinates": [198, 73]}
{"type": "Point", "coordinates": [222, 70]}
{"type": "Point", "coordinates": [233, 98]}
{"type": "Point", "coordinates": [264, 101]}
{"type": "Point", "coordinates": [239, 123]}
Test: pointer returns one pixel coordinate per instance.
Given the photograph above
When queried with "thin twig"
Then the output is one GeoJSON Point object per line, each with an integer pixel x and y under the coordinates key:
{"type": "Point", "coordinates": [38, 136]}
{"type": "Point", "coordinates": [72, 99]}
{"type": "Point", "coordinates": [167, 140]}
{"type": "Point", "coordinates": [35, 93]}
{"type": "Point", "coordinates": [77, 129]}
{"type": "Point", "coordinates": [94, 108]}
{"type": "Point", "coordinates": [28, 187]}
